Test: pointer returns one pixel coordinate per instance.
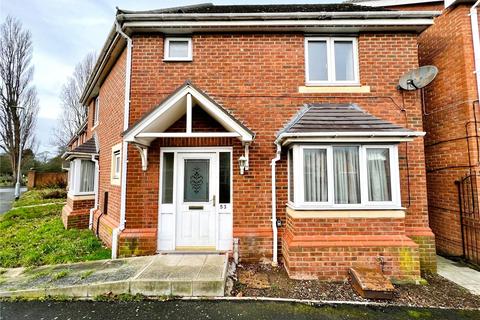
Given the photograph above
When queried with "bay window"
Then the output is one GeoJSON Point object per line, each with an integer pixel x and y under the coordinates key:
{"type": "Point", "coordinates": [81, 177]}
{"type": "Point", "coordinates": [343, 176]}
{"type": "Point", "coordinates": [331, 61]}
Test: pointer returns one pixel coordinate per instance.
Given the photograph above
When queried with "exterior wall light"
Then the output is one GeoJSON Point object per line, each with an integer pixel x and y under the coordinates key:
{"type": "Point", "coordinates": [243, 164]}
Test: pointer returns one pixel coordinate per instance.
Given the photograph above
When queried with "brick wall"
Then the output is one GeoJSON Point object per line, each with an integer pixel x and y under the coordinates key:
{"type": "Point", "coordinates": [76, 212]}
{"type": "Point", "coordinates": [256, 77]}
{"type": "Point", "coordinates": [449, 117]}
{"type": "Point", "coordinates": [46, 179]}
{"type": "Point", "coordinates": [109, 129]}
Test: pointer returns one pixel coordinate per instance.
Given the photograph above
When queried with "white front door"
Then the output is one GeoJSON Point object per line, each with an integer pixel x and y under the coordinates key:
{"type": "Point", "coordinates": [197, 182]}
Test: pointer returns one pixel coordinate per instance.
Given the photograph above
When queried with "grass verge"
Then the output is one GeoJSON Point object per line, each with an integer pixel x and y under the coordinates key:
{"type": "Point", "coordinates": [41, 196]}
{"type": "Point", "coordinates": [36, 236]}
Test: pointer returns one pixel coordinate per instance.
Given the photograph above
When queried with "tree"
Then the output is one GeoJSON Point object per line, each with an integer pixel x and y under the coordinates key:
{"type": "Point", "coordinates": [74, 114]}
{"type": "Point", "coordinates": [18, 97]}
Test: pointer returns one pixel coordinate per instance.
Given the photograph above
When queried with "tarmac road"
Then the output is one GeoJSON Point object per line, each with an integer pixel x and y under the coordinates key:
{"type": "Point", "coordinates": [177, 309]}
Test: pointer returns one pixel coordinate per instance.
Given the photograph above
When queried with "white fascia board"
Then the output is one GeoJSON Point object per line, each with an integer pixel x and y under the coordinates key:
{"type": "Point", "coordinates": [223, 118]}
{"type": "Point", "coordinates": [388, 3]}
{"type": "Point", "coordinates": [130, 136]}
{"type": "Point", "coordinates": [289, 141]}
{"type": "Point", "coordinates": [280, 23]}
{"type": "Point", "coordinates": [355, 134]}
{"type": "Point", "coordinates": [373, 136]}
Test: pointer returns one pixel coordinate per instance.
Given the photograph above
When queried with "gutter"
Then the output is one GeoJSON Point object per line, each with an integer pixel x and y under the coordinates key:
{"type": "Point", "coordinates": [126, 116]}
{"type": "Point", "coordinates": [406, 134]}
{"type": "Point", "coordinates": [476, 43]}
{"type": "Point", "coordinates": [276, 15]}
{"type": "Point", "coordinates": [274, 205]}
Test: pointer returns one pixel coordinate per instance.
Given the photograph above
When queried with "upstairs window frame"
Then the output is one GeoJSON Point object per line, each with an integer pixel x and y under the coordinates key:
{"type": "Point", "coordinates": [166, 51]}
{"type": "Point", "coordinates": [331, 70]}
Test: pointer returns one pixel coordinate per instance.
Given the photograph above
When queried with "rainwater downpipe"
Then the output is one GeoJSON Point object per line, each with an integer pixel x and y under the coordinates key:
{"type": "Point", "coordinates": [126, 115]}
{"type": "Point", "coordinates": [476, 43]}
{"type": "Point", "coordinates": [274, 204]}
{"type": "Point", "coordinates": [96, 187]}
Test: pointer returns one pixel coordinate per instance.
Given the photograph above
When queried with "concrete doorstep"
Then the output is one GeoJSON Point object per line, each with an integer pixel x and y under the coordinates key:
{"type": "Point", "coordinates": [183, 275]}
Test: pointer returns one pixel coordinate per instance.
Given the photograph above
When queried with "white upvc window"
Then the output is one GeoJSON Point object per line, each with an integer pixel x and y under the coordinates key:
{"type": "Point", "coordinates": [96, 111]}
{"type": "Point", "coordinates": [343, 176]}
{"type": "Point", "coordinates": [178, 49]}
{"type": "Point", "coordinates": [331, 61]}
{"type": "Point", "coordinates": [116, 164]}
{"type": "Point", "coordinates": [82, 177]}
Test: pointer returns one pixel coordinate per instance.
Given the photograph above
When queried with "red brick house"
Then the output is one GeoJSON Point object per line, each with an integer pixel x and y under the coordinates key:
{"type": "Point", "coordinates": [273, 131]}
{"type": "Point", "coordinates": [451, 121]}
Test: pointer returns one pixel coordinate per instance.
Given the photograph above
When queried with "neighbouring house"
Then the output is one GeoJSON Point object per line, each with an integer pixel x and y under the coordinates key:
{"type": "Point", "coordinates": [274, 131]}
{"type": "Point", "coordinates": [450, 117]}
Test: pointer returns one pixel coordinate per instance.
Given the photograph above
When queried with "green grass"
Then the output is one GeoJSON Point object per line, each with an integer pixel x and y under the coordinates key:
{"type": "Point", "coordinates": [36, 236]}
{"type": "Point", "coordinates": [41, 196]}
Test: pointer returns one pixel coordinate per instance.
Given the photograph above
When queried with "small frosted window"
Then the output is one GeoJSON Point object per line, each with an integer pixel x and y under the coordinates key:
{"type": "Point", "coordinates": [178, 49]}
{"type": "Point", "coordinates": [224, 177]}
{"type": "Point", "coordinates": [167, 178]}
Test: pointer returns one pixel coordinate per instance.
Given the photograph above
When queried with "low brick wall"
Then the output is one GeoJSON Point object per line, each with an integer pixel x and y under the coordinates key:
{"type": "Point", "coordinates": [46, 179]}
{"type": "Point", "coordinates": [76, 213]}
{"type": "Point", "coordinates": [255, 244]}
{"type": "Point", "coordinates": [137, 242]}
{"type": "Point", "coordinates": [325, 248]}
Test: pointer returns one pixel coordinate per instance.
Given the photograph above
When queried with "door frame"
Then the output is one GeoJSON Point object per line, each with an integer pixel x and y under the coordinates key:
{"type": "Point", "coordinates": [173, 207]}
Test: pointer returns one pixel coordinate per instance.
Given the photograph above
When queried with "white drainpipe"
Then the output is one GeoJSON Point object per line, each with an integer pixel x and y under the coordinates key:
{"type": "Point", "coordinates": [274, 205]}
{"type": "Point", "coordinates": [126, 115]}
{"type": "Point", "coordinates": [476, 43]}
{"type": "Point", "coordinates": [96, 188]}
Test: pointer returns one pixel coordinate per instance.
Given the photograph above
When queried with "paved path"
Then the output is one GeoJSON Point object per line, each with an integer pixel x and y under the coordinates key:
{"type": "Point", "coordinates": [7, 195]}
{"type": "Point", "coordinates": [159, 275]}
{"type": "Point", "coordinates": [460, 274]}
{"type": "Point", "coordinates": [38, 205]}
{"type": "Point", "coordinates": [195, 310]}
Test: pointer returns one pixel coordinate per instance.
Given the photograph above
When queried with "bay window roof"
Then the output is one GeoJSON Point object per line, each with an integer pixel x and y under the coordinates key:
{"type": "Point", "coordinates": [85, 150]}
{"type": "Point", "coordinates": [317, 121]}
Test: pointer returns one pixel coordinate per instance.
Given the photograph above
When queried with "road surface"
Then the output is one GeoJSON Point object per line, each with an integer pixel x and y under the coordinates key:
{"type": "Point", "coordinates": [7, 195]}
{"type": "Point", "coordinates": [176, 309]}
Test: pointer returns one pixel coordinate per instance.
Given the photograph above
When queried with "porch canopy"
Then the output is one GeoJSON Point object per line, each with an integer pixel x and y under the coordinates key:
{"type": "Point", "coordinates": [180, 103]}
{"type": "Point", "coordinates": [324, 122]}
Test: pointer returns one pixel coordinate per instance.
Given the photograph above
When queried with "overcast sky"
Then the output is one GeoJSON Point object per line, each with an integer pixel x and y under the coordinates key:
{"type": "Point", "coordinates": [64, 31]}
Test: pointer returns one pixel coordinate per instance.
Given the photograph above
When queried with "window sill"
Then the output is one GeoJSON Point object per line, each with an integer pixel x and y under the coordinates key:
{"type": "Point", "coordinates": [115, 181]}
{"type": "Point", "coordinates": [343, 212]}
{"type": "Point", "coordinates": [310, 88]}
{"type": "Point", "coordinates": [177, 59]}
{"type": "Point", "coordinates": [81, 196]}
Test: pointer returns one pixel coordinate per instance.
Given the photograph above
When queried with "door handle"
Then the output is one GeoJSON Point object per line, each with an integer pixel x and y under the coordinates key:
{"type": "Point", "coordinates": [213, 200]}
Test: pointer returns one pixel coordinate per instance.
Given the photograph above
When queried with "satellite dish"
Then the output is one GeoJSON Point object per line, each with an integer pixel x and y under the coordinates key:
{"type": "Point", "coordinates": [418, 78]}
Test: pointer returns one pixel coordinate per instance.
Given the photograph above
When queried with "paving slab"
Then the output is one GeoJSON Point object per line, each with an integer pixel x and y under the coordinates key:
{"type": "Point", "coordinates": [460, 274]}
{"type": "Point", "coordinates": [159, 275]}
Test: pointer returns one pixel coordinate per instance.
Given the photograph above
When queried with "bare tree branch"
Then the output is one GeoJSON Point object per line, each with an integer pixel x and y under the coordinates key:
{"type": "Point", "coordinates": [74, 113]}
{"type": "Point", "coordinates": [18, 97]}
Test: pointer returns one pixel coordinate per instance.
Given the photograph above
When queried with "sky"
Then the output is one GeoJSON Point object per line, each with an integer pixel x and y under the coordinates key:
{"type": "Point", "coordinates": [64, 31]}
